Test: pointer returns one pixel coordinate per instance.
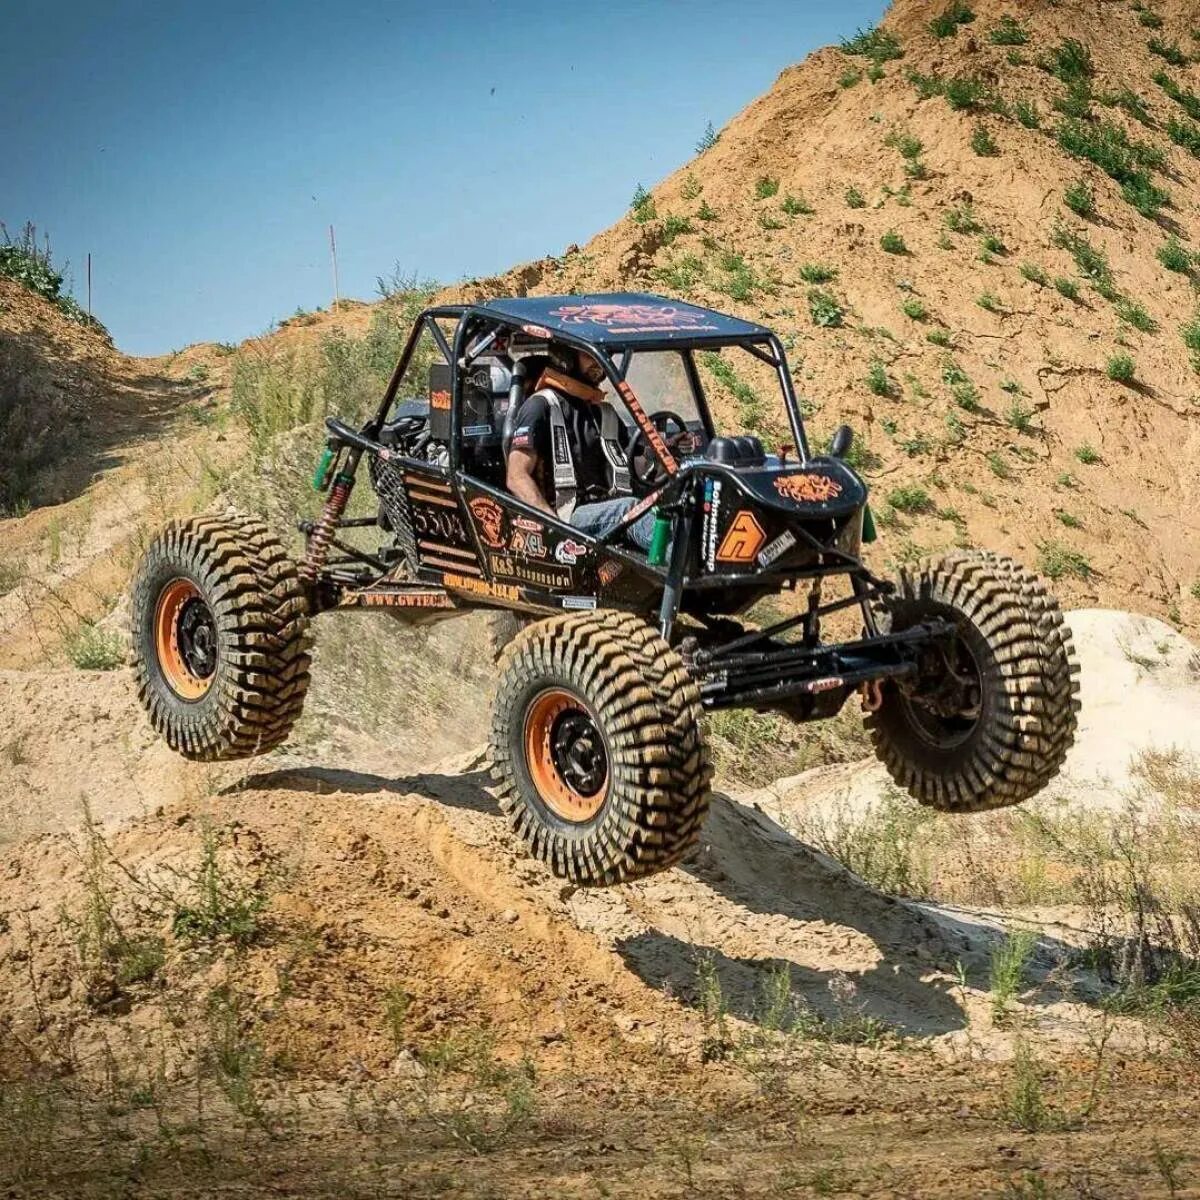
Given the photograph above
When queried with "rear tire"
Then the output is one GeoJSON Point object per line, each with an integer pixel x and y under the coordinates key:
{"type": "Point", "coordinates": [596, 748]}
{"type": "Point", "coordinates": [1017, 717]}
{"type": "Point", "coordinates": [220, 642]}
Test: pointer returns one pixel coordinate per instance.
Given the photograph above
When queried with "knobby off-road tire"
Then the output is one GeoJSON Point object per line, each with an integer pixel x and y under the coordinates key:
{"type": "Point", "coordinates": [596, 747]}
{"type": "Point", "coordinates": [1010, 741]}
{"type": "Point", "coordinates": [220, 638]}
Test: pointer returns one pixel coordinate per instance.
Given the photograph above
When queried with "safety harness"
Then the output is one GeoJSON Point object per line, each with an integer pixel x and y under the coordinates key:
{"type": "Point", "coordinates": [566, 482]}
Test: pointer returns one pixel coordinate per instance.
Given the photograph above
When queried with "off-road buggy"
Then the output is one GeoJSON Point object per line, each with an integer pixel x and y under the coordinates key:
{"type": "Point", "coordinates": [964, 666]}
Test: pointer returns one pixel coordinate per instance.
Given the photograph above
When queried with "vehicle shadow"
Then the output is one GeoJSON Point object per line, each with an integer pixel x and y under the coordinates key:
{"type": "Point", "coordinates": [771, 890]}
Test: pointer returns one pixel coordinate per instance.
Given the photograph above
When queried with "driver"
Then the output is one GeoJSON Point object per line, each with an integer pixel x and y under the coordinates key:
{"type": "Point", "coordinates": [570, 383]}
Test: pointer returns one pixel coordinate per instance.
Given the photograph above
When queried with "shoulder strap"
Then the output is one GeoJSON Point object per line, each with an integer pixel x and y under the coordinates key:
{"type": "Point", "coordinates": [566, 483]}
{"type": "Point", "coordinates": [610, 440]}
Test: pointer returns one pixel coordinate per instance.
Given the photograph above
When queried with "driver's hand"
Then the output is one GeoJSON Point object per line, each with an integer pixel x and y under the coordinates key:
{"type": "Point", "coordinates": [685, 442]}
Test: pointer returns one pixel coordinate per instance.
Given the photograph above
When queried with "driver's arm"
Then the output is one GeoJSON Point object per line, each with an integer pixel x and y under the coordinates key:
{"type": "Point", "coordinates": [521, 479]}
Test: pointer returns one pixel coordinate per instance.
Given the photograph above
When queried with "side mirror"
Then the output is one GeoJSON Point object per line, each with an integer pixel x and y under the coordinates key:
{"type": "Point", "coordinates": [842, 440]}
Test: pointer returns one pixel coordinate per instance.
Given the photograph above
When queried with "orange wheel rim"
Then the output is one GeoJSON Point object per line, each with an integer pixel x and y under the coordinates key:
{"type": "Point", "coordinates": [565, 754]}
{"type": "Point", "coordinates": [185, 639]}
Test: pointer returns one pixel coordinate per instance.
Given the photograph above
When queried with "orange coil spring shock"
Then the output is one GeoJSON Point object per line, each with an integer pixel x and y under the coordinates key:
{"type": "Point", "coordinates": [324, 527]}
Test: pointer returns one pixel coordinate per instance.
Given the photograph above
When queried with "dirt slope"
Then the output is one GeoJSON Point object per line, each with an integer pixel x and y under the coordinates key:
{"type": "Point", "coordinates": [1004, 471]}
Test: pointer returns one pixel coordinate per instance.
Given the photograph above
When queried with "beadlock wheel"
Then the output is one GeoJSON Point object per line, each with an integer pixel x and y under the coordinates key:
{"type": "Point", "coordinates": [220, 643]}
{"type": "Point", "coordinates": [596, 747]}
{"type": "Point", "coordinates": [991, 713]}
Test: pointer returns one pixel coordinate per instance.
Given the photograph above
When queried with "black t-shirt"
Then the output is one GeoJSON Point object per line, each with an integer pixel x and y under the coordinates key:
{"type": "Point", "coordinates": [532, 432]}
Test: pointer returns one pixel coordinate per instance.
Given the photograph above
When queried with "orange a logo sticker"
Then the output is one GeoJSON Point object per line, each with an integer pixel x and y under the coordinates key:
{"type": "Point", "coordinates": [742, 539]}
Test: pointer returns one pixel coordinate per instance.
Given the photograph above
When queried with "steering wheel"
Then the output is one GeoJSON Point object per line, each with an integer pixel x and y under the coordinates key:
{"type": "Point", "coordinates": [645, 471]}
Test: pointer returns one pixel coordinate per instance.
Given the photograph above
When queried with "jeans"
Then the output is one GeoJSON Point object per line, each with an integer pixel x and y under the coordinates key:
{"type": "Point", "coordinates": [605, 515]}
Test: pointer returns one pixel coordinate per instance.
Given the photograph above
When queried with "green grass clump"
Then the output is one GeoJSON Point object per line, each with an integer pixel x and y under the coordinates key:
{"type": "Point", "coordinates": [765, 186]}
{"type": "Point", "coordinates": [877, 44]}
{"type": "Point", "coordinates": [1091, 262]}
{"type": "Point", "coordinates": [683, 274]}
{"type": "Point", "coordinates": [964, 93]}
{"type": "Point", "coordinates": [32, 266]}
{"type": "Point", "coordinates": [1121, 368]}
{"type": "Point", "coordinates": [1068, 519]}
{"type": "Point", "coordinates": [1009, 962]}
{"type": "Point", "coordinates": [740, 280]}
{"type": "Point", "coordinates": [962, 220]}
{"type": "Point", "coordinates": [1149, 18]}
{"type": "Point", "coordinates": [1034, 273]}
{"type": "Point", "coordinates": [993, 243]}
{"type": "Point", "coordinates": [1027, 113]}
{"type": "Point", "coordinates": [1065, 287]}
{"type": "Point", "coordinates": [706, 212]}
{"type": "Point", "coordinates": [988, 301]}
{"type": "Point", "coordinates": [914, 308]}
{"type": "Point", "coordinates": [946, 23]}
{"type": "Point", "coordinates": [824, 308]}
{"type": "Point", "coordinates": [1008, 31]}
{"type": "Point", "coordinates": [1191, 339]}
{"type": "Point", "coordinates": [1070, 61]}
{"type": "Point", "coordinates": [893, 243]}
{"type": "Point", "coordinates": [1056, 561]}
{"type": "Point", "coordinates": [91, 648]}
{"type": "Point", "coordinates": [1126, 160]}
{"type": "Point", "coordinates": [1087, 454]}
{"type": "Point", "coordinates": [999, 466]}
{"type": "Point", "coordinates": [1184, 97]}
{"type": "Point", "coordinates": [1174, 256]}
{"type": "Point", "coordinates": [983, 143]}
{"type": "Point", "coordinates": [878, 382]}
{"type": "Point", "coordinates": [1132, 313]}
{"type": "Point", "coordinates": [1077, 102]}
{"type": "Point", "coordinates": [796, 206]}
{"type": "Point", "coordinates": [849, 77]}
{"type": "Point", "coordinates": [674, 226]}
{"type": "Point", "coordinates": [1080, 198]}
{"type": "Point", "coordinates": [938, 337]}
{"type": "Point", "coordinates": [911, 499]}
{"type": "Point", "coordinates": [1020, 417]}
{"type": "Point", "coordinates": [1133, 104]}
{"type": "Point", "coordinates": [1184, 133]}
{"type": "Point", "coordinates": [855, 198]}
{"type": "Point", "coordinates": [1171, 51]}
{"type": "Point", "coordinates": [817, 272]}
{"type": "Point", "coordinates": [642, 205]}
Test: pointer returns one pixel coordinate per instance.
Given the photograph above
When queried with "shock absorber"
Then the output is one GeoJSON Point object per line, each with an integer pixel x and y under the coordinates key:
{"type": "Point", "coordinates": [323, 529]}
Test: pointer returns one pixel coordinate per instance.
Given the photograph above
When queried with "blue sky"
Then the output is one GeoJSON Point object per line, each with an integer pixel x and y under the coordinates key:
{"type": "Point", "coordinates": [200, 151]}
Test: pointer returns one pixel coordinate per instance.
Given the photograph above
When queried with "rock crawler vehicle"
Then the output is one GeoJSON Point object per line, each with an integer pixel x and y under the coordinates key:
{"type": "Point", "coordinates": [963, 665]}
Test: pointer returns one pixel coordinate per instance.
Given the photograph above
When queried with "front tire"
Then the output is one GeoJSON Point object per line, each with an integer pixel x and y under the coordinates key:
{"type": "Point", "coordinates": [220, 644]}
{"type": "Point", "coordinates": [596, 748]}
{"type": "Point", "coordinates": [989, 723]}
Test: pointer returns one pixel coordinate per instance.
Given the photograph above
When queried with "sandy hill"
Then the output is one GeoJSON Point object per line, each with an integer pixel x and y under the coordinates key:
{"type": "Point", "coordinates": [981, 390]}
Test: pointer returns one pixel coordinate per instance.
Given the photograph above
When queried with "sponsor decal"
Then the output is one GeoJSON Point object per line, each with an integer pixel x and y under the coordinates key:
{"type": "Point", "coordinates": [477, 430]}
{"type": "Point", "coordinates": [569, 552]}
{"type": "Point", "coordinates": [776, 549]}
{"type": "Point", "coordinates": [647, 427]}
{"type": "Point", "coordinates": [436, 522]}
{"type": "Point", "coordinates": [529, 524]}
{"type": "Point", "coordinates": [522, 438]}
{"type": "Point", "coordinates": [531, 545]}
{"type": "Point", "coordinates": [826, 685]}
{"type": "Point", "coordinates": [482, 380]}
{"type": "Point", "coordinates": [643, 505]}
{"type": "Point", "coordinates": [609, 570]}
{"type": "Point", "coordinates": [440, 400]}
{"type": "Point", "coordinates": [742, 539]}
{"type": "Point", "coordinates": [633, 318]}
{"type": "Point", "coordinates": [579, 602]}
{"type": "Point", "coordinates": [812, 488]}
{"type": "Point", "coordinates": [539, 574]}
{"type": "Point", "coordinates": [465, 583]}
{"type": "Point", "coordinates": [405, 600]}
{"type": "Point", "coordinates": [712, 518]}
{"type": "Point", "coordinates": [490, 518]}
{"type": "Point", "coordinates": [537, 331]}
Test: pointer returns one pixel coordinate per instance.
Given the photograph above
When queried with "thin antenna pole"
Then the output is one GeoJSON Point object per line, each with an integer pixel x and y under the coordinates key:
{"type": "Point", "coordinates": [337, 299]}
{"type": "Point", "coordinates": [89, 285]}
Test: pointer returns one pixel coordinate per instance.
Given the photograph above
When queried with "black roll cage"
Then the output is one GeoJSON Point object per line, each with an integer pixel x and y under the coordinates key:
{"type": "Point", "coordinates": [766, 347]}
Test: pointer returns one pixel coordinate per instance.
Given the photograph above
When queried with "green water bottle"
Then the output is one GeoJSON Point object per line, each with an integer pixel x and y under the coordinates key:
{"type": "Point", "coordinates": [659, 539]}
{"type": "Point", "coordinates": [321, 474]}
